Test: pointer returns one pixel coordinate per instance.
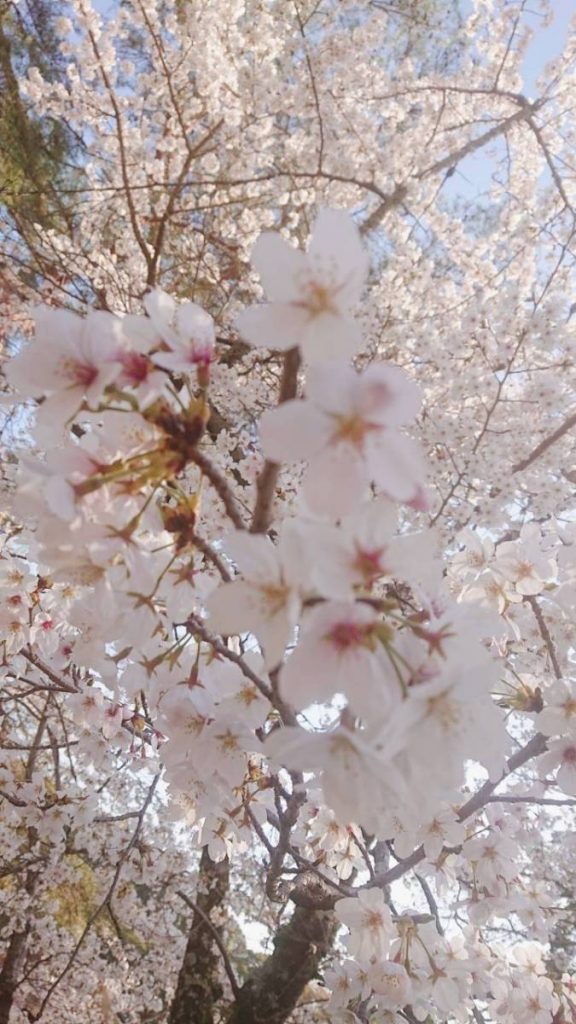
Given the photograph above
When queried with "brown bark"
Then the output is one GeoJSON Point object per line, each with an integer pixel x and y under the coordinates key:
{"type": "Point", "coordinates": [11, 966]}
{"type": "Point", "coordinates": [272, 991]}
{"type": "Point", "coordinates": [198, 988]}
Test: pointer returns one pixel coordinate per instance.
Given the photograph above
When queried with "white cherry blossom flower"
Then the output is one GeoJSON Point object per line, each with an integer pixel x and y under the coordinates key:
{"type": "Point", "coordinates": [187, 329]}
{"type": "Point", "coordinates": [443, 830]}
{"type": "Point", "coordinates": [391, 983]}
{"type": "Point", "coordinates": [311, 294]}
{"type": "Point", "coordinates": [495, 856]}
{"type": "Point", "coordinates": [339, 652]}
{"type": "Point", "coordinates": [452, 712]}
{"type": "Point", "coordinates": [346, 981]}
{"type": "Point", "coordinates": [523, 563]}
{"type": "Point", "coordinates": [236, 695]}
{"type": "Point", "coordinates": [559, 713]}
{"type": "Point", "coordinates": [370, 922]}
{"type": "Point", "coordinates": [14, 628]}
{"type": "Point", "coordinates": [475, 556]}
{"type": "Point", "coordinates": [491, 590]}
{"type": "Point", "coordinates": [267, 601]}
{"type": "Point", "coordinates": [359, 778]}
{"type": "Point", "coordinates": [561, 754]}
{"type": "Point", "coordinates": [346, 430]}
{"type": "Point", "coordinates": [534, 1001]}
{"type": "Point", "coordinates": [530, 956]}
{"type": "Point", "coordinates": [71, 359]}
{"type": "Point", "coordinates": [137, 336]}
{"type": "Point", "coordinates": [363, 551]}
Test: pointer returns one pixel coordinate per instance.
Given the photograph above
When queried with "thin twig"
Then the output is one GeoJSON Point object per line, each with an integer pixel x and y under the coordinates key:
{"type": "Point", "coordinates": [105, 902]}
{"type": "Point", "coordinates": [545, 634]}
{"type": "Point", "coordinates": [220, 485]}
{"type": "Point", "coordinates": [225, 958]}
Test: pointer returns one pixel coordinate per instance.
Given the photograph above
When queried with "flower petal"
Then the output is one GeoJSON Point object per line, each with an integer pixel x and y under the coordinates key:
{"type": "Point", "coordinates": [336, 250]}
{"type": "Point", "coordinates": [281, 267]}
{"type": "Point", "coordinates": [335, 482]}
{"type": "Point", "coordinates": [231, 608]}
{"type": "Point", "coordinates": [276, 325]}
{"type": "Point", "coordinates": [161, 308]}
{"type": "Point", "coordinates": [255, 556]}
{"type": "Point", "coordinates": [329, 336]}
{"type": "Point", "coordinates": [388, 396]}
{"type": "Point", "coordinates": [396, 464]}
{"type": "Point", "coordinates": [294, 430]}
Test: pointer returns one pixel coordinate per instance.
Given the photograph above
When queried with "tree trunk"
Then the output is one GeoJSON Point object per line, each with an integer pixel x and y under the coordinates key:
{"type": "Point", "coordinates": [13, 957]}
{"type": "Point", "coordinates": [198, 988]}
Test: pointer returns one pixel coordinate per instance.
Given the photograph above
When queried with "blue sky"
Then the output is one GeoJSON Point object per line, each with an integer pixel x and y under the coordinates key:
{"type": "Point", "coordinates": [546, 43]}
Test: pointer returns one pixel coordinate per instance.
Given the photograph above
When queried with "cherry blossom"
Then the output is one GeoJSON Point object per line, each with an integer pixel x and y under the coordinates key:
{"type": "Point", "coordinates": [346, 429]}
{"type": "Point", "coordinates": [523, 563]}
{"type": "Point", "coordinates": [359, 776]}
{"type": "Point", "coordinates": [561, 755]}
{"type": "Point", "coordinates": [219, 748]}
{"type": "Point", "coordinates": [370, 922]}
{"type": "Point", "coordinates": [559, 713]}
{"type": "Point", "coordinates": [267, 601]}
{"type": "Point", "coordinates": [187, 330]}
{"type": "Point", "coordinates": [71, 359]}
{"type": "Point", "coordinates": [312, 294]}
{"type": "Point", "coordinates": [340, 652]}
{"type": "Point", "coordinates": [391, 984]}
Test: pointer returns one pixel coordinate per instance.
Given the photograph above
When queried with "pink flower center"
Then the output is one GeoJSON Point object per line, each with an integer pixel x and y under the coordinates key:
{"type": "Point", "coordinates": [135, 366]}
{"type": "Point", "coordinates": [569, 755]}
{"type": "Point", "coordinates": [202, 354]}
{"type": "Point", "coordinates": [79, 374]}
{"type": "Point", "coordinates": [345, 635]}
{"type": "Point", "coordinates": [376, 395]}
{"type": "Point", "coordinates": [419, 502]}
{"type": "Point", "coordinates": [368, 562]}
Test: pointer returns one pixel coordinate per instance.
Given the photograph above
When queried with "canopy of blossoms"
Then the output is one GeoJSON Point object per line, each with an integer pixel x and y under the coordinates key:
{"type": "Point", "coordinates": [287, 576]}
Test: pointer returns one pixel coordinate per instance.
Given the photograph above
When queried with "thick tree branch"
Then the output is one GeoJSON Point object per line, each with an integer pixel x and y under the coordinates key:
{"type": "Point", "coordinates": [273, 989]}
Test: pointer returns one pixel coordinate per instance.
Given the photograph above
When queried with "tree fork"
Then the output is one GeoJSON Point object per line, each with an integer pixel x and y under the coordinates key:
{"type": "Point", "coordinates": [272, 991]}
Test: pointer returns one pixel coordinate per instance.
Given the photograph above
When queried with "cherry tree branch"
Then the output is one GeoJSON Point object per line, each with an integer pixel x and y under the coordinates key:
{"type": "Point", "coordinates": [268, 478]}
{"type": "Point", "coordinates": [220, 485]}
{"type": "Point", "coordinates": [544, 445]}
{"type": "Point", "coordinates": [271, 992]}
{"type": "Point", "coordinates": [545, 634]}
{"type": "Point", "coordinates": [534, 747]}
{"type": "Point", "coordinates": [197, 628]}
{"type": "Point", "coordinates": [216, 935]}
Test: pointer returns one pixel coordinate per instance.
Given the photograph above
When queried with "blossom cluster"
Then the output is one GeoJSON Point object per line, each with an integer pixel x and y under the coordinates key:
{"type": "Point", "coordinates": [320, 651]}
